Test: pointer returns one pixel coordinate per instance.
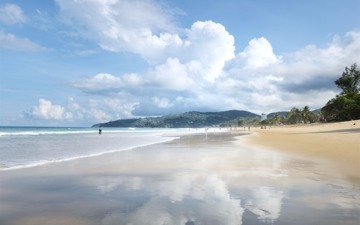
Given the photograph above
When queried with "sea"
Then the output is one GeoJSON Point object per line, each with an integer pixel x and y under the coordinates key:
{"type": "Point", "coordinates": [22, 147]}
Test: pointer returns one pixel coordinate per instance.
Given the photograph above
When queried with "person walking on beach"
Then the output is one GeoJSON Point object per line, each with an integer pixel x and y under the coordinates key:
{"type": "Point", "coordinates": [100, 131]}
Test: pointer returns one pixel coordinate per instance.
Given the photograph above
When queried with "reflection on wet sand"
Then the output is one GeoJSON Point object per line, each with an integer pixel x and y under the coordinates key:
{"type": "Point", "coordinates": [192, 181]}
{"type": "Point", "coordinates": [183, 199]}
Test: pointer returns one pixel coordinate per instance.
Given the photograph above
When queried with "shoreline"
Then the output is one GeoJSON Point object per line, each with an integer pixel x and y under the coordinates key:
{"type": "Point", "coordinates": [336, 143]}
{"type": "Point", "coordinates": [170, 138]}
{"type": "Point", "coordinates": [100, 158]}
{"type": "Point", "coordinates": [80, 157]}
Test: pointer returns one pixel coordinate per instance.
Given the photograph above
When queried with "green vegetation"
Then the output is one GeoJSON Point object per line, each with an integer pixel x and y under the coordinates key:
{"type": "Point", "coordinates": [249, 121]}
{"type": "Point", "coordinates": [349, 82]}
{"type": "Point", "coordinates": [295, 116]}
{"type": "Point", "coordinates": [346, 105]}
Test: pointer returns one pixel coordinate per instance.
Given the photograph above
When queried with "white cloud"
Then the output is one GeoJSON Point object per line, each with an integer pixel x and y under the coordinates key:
{"type": "Point", "coordinates": [184, 60]}
{"type": "Point", "coordinates": [11, 14]}
{"type": "Point", "coordinates": [259, 53]}
{"type": "Point", "coordinates": [100, 115]}
{"type": "Point", "coordinates": [267, 82]}
{"type": "Point", "coordinates": [197, 68]}
{"type": "Point", "coordinates": [263, 84]}
{"type": "Point", "coordinates": [11, 42]}
{"type": "Point", "coordinates": [101, 81]}
{"type": "Point", "coordinates": [145, 28]}
{"type": "Point", "coordinates": [46, 110]}
{"type": "Point", "coordinates": [210, 45]}
{"type": "Point", "coordinates": [129, 25]}
{"type": "Point", "coordinates": [132, 79]}
{"type": "Point", "coordinates": [162, 102]}
{"type": "Point", "coordinates": [171, 75]}
{"type": "Point", "coordinates": [116, 106]}
{"type": "Point", "coordinates": [94, 110]}
{"type": "Point", "coordinates": [105, 82]}
{"type": "Point", "coordinates": [200, 57]}
{"type": "Point", "coordinates": [72, 105]}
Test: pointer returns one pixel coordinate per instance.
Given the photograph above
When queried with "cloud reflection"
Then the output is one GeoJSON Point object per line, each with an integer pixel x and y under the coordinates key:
{"type": "Point", "coordinates": [184, 200]}
{"type": "Point", "coordinates": [246, 187]}
{"type": "Point", "coordinates": [266, 203]}
{"type": "Point", "coordinates": [219, 196]}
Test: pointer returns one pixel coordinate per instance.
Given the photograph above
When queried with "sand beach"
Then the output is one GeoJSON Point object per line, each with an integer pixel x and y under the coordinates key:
{"type": "Point", "coordinates": [220, 178]}
{"type": "Point", "coordinates": [338, 143]}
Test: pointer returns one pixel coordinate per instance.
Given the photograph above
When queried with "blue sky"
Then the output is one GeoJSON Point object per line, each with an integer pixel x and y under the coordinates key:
{"type": "Point", "coordinates": [76, 63]}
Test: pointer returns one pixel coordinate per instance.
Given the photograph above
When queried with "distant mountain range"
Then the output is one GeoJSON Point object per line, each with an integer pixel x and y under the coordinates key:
{"type": "Point", "coordinates": [188, 119]}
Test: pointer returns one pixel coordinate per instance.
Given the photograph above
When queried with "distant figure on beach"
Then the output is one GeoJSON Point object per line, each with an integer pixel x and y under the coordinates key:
{"type": "Point", "coordinates": [100, 131]}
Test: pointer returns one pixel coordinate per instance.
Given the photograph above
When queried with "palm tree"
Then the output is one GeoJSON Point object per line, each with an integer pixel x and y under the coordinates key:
{"type": "Point", "coordinates": [241, 122]}
{"type": "Point", "coordinates": [349, 82]}
{"type": "Point", "coordinates": [305, 114]}
{"type": "Point", "coordinates": [293, 116]}
{"type": "Point", "coordinates": [276, 119]}
{"type": "Point", "coordinates": [256, 121]}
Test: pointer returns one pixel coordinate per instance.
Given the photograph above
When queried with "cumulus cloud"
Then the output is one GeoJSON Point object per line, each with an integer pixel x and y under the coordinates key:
{"type": "Point", "coordinates": [146, 28]}
{"type": "Point", "coordinates": [259, 53]}
{"type": "Point", "coordinates": [256, 79]}
{"type": "Point", "coordinates": [198, 68]}
{"type": "Point", "coordinates": [11, 14]}
{"type": "Point", "coordinates": [136, 26]}
{"type": "Point", "coordinates": [11, 42]}
{"type": "Point", "coordinates": [277, 82]}
{"type": "Point", "coordinates": [171, 75]}
{"type": "Point", "coordinates": [48, 111]}
{"type": "Point", "coordinates": [210, 45]}
{"type": "Point", "coordinates": [92, 110]}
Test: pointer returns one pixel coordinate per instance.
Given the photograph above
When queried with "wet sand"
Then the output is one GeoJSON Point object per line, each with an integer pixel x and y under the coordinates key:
{"type": "Point", "coordinates": [338, 143]}
{"type": "Point", "coordinates": [218, 179]}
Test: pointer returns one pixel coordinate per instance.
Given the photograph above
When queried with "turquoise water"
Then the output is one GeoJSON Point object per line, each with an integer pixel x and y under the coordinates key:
{"type": "Point", "coordinates": [31, 146]}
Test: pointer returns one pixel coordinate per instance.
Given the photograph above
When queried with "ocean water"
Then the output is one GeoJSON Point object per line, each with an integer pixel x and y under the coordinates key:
{"type": "Point", "coordinates": [22, 147]}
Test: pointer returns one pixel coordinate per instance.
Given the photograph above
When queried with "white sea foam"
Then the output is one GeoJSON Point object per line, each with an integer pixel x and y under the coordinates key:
{"type": "Point", "coordinates": [46, 162]}
{"type": "Point", "coordinates": [30, 147]}
{"type": "Point", "coordinates": [70, 131]}
{"type": "Point", "coordinates": [35, 133]}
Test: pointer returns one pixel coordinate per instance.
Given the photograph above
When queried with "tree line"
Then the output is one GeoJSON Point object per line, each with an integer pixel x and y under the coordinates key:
{"type": "Point", "coordinates": [296, 115]}
{"type": "Point", "coordinates": [346, 105]}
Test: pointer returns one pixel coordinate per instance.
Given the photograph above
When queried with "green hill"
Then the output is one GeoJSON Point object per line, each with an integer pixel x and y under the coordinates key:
{"type": "Point", "coordinates": [188, 119]}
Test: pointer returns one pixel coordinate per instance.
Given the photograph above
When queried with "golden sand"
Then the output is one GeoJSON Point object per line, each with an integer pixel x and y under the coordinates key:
{"type": "Point", "coordinates": [339, 143]}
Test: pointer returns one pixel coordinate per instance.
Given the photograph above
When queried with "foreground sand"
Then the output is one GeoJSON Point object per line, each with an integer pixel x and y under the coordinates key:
{"type": "Point", "coordinates": [339, 143]}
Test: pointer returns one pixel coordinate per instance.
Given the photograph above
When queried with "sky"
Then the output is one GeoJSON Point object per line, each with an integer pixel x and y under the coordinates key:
{"type": "Point", "coordinates": [81, 62]}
